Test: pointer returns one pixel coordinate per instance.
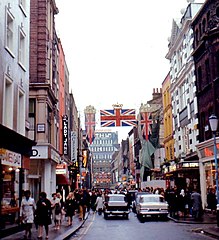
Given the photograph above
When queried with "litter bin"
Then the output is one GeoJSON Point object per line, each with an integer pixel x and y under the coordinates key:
{"type": "Point", "coordinates": [218, 215]}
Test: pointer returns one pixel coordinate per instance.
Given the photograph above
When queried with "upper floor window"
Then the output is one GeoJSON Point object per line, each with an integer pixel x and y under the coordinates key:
{"type": "Point", "coordinates": [9, 31]}
{"type": "Point", "coordinates": [21, 112]}
{"type": "Point", "coordinates": [8, 103]}
{"type": "Point", "coordinates": [21, 48]}
{"type": "Point", "coordinates": [23, 6]}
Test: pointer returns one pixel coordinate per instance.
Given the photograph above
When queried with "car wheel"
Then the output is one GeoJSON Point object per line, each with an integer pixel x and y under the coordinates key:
{"type": "Point", "coordinates": [126, 216]}
{"type": "Point", "coordinates": [164, 217]}
{"type": "Point", "coordinates": [105, 215]}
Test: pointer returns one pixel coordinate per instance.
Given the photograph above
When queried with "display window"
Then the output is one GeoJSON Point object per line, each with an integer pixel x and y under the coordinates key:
{"type": "Point", "coordinates": [10, 193]}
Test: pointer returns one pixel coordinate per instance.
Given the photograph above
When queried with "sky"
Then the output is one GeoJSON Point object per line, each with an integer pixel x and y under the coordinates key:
{"type": "Point", "coordinates": [115, 50]}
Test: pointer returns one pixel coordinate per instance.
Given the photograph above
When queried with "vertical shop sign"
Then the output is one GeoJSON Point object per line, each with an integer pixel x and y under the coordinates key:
{"type": "Point", "coordinates": [74, 146]}
{"type": "Point", "coordinates": [65, 134]}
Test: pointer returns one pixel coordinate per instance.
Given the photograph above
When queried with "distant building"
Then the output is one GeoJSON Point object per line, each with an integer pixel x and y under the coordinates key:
{"type": "Point", "coordinates": [102, 148]}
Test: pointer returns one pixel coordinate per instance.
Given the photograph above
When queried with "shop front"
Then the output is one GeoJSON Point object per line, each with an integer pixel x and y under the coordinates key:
{"type": "Point", "coordinates": [15, 151]}
{"type": "Point", "coordinates": [183, 175]}
{"type": "Point", "coordinates": [207, 166]}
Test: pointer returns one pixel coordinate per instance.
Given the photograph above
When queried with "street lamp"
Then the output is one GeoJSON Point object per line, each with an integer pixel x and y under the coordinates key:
{"type": "Point", "coordinates": [213, 120]}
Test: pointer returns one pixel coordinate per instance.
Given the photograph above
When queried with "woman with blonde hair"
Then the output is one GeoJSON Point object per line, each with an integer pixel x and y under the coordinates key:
{"type": "Point", "coordinates": [70, 206]}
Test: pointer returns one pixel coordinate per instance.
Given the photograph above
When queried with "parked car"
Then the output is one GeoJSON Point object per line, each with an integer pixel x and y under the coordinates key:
{"type": "Point", "coordinates": [115, 205]}
{"type": "Point", "coordinates": [152, 205]}
{"type": "Point", "coordinates": [136, 200]}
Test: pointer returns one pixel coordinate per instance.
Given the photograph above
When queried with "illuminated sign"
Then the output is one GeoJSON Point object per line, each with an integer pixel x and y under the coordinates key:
{"type": "Point", "coordinates": [208, 151]}
{"type": "Point", "coordinates": [84, 159]}
{"type": "Point", "coordinates": [65, 134]}
{"type": "Point", "coordinates": [10, 158]}
{"type": "Point", "coordinates": [61, 169]}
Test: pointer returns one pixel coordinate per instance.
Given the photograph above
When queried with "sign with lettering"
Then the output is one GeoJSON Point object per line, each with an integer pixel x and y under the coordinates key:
{"type": "Point", "coordinates": [10, 158]}
{"type": "Point", "coordinates": [65, 134]}
{"type": "Point", "coordinates": [74, 146]}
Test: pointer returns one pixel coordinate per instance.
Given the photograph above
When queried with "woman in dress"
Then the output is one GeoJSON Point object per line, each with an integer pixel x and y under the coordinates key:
{"type": "Point", "coordinates": [27, 209]}
{"type": "Point", "coordinates": [43, 214]}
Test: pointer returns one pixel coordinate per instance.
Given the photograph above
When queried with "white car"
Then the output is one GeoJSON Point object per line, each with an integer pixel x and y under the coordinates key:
{"type": "Point", "coordinates": [116, 205]}
{"type": "Point", "coordinates": [150, 205]}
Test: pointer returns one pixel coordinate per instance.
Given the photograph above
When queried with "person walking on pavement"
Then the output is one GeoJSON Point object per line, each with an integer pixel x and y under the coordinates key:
{"type": "Point", "coordinates": [43, 214]}
{"type": "Point", "coordinates": [56, 210]}
{"type": "Point", "coordinates": [93, 201]}
{"type": "Point", "coordinates": [82, 203]}
{"type": "Point", "coordinates": [196, 205]}
{"type": "Point", "coordinates": [27, 209]}
{"type": "Point", "coordinates": [70, 206]}
{"type": "Point", "coordinates": [212, 200]}
{"type": "Point", "coordinates": [99, 204]}
{"type": "Point", "coordinates": [182, 201]}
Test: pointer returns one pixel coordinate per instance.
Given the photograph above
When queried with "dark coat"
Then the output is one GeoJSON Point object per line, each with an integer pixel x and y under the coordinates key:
{"type": "Point", "coordinates": [70, 206]}
{"type": "Point", "coordinates": [43, 212]}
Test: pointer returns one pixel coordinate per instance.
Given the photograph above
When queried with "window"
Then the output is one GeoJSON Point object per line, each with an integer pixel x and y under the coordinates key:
{"type": "Point", "coordinates": [21, 48]}
{"type": "Point", "coordinates": [21, 113]}
{"type": "Point", "coordinates": [23, 6]}
{"type": "Point", "coordinates": [8, 103]}
{"type": "Point", "coordinates": [207, 71]}
{"type": "Point", "coordinates": [32, 118]}
{"type": "Point", "coordinates": [9, 31]}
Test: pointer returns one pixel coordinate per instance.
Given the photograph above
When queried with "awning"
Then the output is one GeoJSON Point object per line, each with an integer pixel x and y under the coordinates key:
{"type": "Point", "coordinates": [62, 179]}
{"type": "Point", "coordinates": [15, 142]}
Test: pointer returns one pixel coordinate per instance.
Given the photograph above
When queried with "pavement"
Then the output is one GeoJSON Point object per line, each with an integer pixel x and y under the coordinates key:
{"type": "Point", "coordinates": [208, 223]}
{"type": "Point", "coordinates": [64, 233]}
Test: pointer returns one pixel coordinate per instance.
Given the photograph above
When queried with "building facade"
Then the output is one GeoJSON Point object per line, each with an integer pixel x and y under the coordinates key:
{"type": "Point", "coordinates": [102, 149]}
{"type": "Point", "coordinates": [167, 119]}
{"type": "Point", "coordinates": [184, 99]}
{"type": "Point", "coordinates": [206, 57]}
{"type": "Point", "coordinates": [15, 146]}
{"type": "Point", "coordinates": [43, 97]}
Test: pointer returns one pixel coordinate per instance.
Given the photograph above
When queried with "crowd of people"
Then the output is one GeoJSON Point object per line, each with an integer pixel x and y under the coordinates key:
{"type": "Point", "coordinates": [58, 211]}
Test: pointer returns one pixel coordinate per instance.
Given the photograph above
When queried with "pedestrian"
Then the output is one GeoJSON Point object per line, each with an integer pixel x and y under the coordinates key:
{"type": "Point", "coordinates": [182, 201]}
{"type": "Point", "coordinates": [82, 203]}
{"type": "Point", "coordinates": [212, 200]}
{"type": "Point", "coordinates": [93, 201]}
{"type": "Point", "coordinates": [27, 209]}
{"type": "Point", "coordinates": [196, 205]}
{"type": "Point", "coordinates": [43, 214]}
{"type": "Point", "coordinates": [70, 206]}
{"type": "Point", "coordinates": [56, 210]}
{"type": "Point", "coordinates": [99, 204]}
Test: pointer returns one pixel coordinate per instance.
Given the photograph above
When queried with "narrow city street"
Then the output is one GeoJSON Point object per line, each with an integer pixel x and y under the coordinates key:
{"type": "Point", "coordinates": [97, 228]}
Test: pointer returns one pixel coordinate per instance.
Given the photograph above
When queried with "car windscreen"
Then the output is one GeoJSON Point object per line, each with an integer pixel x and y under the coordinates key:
{"type": "Point", "coordinates": [151, 199]}
{"type": "Point", "coordinates": [116, 198]}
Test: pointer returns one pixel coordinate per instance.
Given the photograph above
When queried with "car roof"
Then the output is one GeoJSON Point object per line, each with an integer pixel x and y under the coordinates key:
{"type": "Point", "coordinates": [116, 194]}
{"type": "Point", "coordinates": [152, 195]}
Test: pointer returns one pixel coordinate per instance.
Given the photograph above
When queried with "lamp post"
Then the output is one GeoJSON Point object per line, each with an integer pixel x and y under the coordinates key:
{"type": "Point", "coordinates": [213, 120]}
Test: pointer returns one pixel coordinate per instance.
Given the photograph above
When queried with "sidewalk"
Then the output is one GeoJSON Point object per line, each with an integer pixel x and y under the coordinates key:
{"type": "Point", "coordinates": [63, 233]}
{"type": "Point", "coordinates": [208, 224]}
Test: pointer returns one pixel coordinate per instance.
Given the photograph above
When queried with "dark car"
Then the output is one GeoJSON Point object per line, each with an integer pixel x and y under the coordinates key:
{"type": "Point", "coordinates": [116, 205]}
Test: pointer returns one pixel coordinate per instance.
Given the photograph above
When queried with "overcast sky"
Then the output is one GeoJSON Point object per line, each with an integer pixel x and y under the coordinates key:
{"type": "Point", "coordinates": [115, 49]}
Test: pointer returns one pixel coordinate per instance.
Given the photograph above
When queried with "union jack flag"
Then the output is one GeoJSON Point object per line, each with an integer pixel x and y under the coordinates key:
{"type": "Point", "coordinates": [117, 117]}
{"type": "Point", "coordinates": [146, 121]}
{"type": "Point", "coordinates": [90, 126]}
